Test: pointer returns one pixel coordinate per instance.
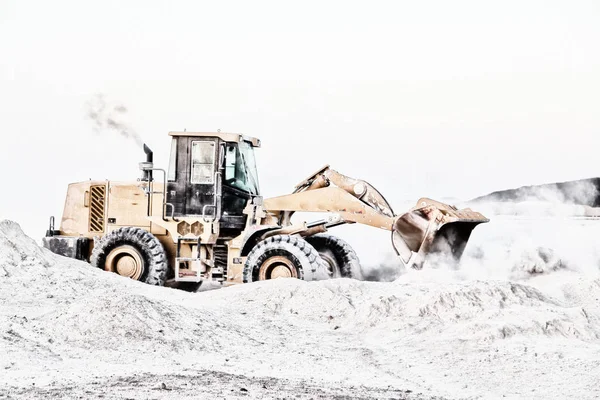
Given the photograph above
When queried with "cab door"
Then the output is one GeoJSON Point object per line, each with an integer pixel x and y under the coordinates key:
{"type": "Point", "coordinates": [202, 177]}
{"type": "Point", "coordinates": [192, 186]}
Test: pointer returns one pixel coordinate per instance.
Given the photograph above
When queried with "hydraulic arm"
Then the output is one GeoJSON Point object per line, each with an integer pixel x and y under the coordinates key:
{"type": "Point", "coordinates": [429, 227]}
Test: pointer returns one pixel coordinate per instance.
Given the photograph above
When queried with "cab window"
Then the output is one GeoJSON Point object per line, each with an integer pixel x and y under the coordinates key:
{"type": "Point", "coordinates": [203, 162]}
{"type": "Point", "coordinates": [172, 173]}
{"type": "Point", "coordinates": [240, 167]}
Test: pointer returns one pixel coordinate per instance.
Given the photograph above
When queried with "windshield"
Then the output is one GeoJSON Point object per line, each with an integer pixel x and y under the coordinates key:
{"type": "Point", "coordinates": [240, 167]}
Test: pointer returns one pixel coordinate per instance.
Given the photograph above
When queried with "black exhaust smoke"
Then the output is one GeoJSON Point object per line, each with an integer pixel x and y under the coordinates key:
{"type": "Point", "coordinates": [111, 117]}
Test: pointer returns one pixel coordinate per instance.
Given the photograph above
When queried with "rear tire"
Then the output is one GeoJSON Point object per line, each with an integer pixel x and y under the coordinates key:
{"type": "Point", "coordinates": [134, 253]}
{"type": "Point", "coordinates": [339, 256]}
{"type": "Point", "coordinates": [284, 256]}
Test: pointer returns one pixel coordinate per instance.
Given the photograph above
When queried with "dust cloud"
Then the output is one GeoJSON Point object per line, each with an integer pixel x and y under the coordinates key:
{"type": "Point", "coordinates": [108, 117]}
{"type": "Point", "coordinates": [539, 234]}
{"type": "Point", "coordinates": [388, 269]}
{"type": "Point", "coordinates": [583, 192]}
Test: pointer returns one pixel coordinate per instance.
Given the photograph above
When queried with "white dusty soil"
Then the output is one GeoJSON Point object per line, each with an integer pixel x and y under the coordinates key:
{"type": "Point", "coordinates": [507, 324]}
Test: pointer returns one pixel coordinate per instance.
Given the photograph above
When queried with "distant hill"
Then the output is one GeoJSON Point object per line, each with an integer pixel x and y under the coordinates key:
{"type": "Point", "coordinates": [583, 191]}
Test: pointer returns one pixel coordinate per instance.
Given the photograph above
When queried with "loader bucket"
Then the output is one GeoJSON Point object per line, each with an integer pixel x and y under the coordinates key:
{"type": "Point", "coordinates": [433, 228]}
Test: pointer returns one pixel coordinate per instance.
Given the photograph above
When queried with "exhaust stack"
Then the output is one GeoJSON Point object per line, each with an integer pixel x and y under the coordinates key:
{"type": "Point", "coordinates": [147, 166]}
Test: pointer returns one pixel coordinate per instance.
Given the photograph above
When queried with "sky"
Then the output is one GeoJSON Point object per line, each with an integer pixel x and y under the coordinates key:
{"type": "Point", "coordinates": [437, 99]}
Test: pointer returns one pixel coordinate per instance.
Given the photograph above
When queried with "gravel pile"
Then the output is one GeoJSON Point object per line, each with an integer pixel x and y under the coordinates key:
{"type": "Point", "coordinates": [69, 330]}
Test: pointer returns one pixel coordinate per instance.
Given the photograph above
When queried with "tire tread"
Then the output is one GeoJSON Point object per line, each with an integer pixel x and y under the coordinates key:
{"type": "Point", "coordinates": [150, 247]}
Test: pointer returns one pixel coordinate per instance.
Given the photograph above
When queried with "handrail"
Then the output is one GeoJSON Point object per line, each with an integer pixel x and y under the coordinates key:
{"type": "Point", "coordinates": [216, 202]}
{"type": "Point", "coordinates": [165, 204]}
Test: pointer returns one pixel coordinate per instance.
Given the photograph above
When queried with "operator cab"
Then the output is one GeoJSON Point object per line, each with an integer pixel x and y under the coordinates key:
{"type": "Point", "coordinates": [212, 175]}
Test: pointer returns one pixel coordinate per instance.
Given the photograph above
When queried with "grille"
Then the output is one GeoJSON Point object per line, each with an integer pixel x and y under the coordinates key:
{"type": "Point", "coordinates": [97, 200]}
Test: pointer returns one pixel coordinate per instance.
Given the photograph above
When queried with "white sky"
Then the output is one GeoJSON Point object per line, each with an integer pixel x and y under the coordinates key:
{"type": "Point", "coordinates": [438, 99]}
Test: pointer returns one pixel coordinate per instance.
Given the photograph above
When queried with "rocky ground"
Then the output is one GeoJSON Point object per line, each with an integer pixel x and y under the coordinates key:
{"type": "Point", "coordinates": [512, 322]}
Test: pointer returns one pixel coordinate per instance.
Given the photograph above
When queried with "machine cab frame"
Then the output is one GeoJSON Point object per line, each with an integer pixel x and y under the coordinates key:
{"type": "Point", "coordinates": [212, 175]}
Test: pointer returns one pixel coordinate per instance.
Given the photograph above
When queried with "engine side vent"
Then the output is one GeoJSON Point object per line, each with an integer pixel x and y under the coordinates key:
{"type": "Point", "coordinates": [97, 207]}
{"type": "Point", "coordinates": [220, 252]}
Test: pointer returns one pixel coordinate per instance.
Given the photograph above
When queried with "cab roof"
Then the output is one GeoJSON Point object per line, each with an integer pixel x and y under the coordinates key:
{"type": "Point", "coordinates": [227, 137]}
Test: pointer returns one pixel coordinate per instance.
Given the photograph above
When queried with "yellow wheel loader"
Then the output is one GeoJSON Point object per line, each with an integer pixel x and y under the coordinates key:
{"type": "Point", "coordinates": [203, 219]}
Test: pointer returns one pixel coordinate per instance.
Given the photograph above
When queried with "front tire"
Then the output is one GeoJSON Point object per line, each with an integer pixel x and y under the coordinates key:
{"type": "Point", "coordinates": [133, 253]}
{"type": "Point", "coordinates": [284, 256]}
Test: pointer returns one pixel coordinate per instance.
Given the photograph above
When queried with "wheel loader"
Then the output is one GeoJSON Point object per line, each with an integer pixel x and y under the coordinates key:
{"type": "Point", "coordinates": [203, 219]}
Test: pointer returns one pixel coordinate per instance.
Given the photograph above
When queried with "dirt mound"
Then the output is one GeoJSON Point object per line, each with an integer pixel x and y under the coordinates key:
{"type": "Point", "coordinates": [64, 324]}
{"type": "Point", "coordinates": [475, 311]}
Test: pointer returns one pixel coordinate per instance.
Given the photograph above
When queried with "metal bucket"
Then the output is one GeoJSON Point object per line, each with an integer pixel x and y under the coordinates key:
{"type": "Point", "coordinates": [433, 228]}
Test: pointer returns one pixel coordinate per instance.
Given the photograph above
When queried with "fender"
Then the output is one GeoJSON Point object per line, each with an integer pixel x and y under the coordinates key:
{"type": "Point", "coordinates": [253, 236]}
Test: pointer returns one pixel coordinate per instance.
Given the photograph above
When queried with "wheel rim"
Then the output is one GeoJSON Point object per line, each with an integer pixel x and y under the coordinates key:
{"type": "Point", "coordinates": [126, 261]}
{"type": "Point", "coordinates": [333, 269]}
{"type": "Point", "coordinates": [277, 267]}
{"type": "Point", "coordinates": [331, 264]}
